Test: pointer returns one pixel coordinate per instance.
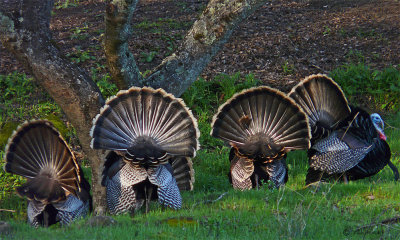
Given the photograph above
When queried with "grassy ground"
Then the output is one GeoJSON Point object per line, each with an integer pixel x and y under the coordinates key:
{"type": "Point", "coordinates": [215, 210]}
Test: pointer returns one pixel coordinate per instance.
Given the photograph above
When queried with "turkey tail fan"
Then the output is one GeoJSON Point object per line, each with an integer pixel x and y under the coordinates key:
{"type": "Point", "coordinates": [183, 172]}
{"type": "Point", "coordinates": [37, 151]}
{"type": "Point", "coordinates": [323, 101]}
{"type": "Point", "coordinates": [144, 113]}
{"type": "Point", "coordinates": [262, 121]}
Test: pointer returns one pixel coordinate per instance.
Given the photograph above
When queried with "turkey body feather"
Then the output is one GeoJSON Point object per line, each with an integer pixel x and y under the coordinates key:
{"type": "Point", "coordinates": [261, 125]}
{"type": "Point", "coordinates": [152, 137]}
{"type": "Point", "coordinates": [345, 140]}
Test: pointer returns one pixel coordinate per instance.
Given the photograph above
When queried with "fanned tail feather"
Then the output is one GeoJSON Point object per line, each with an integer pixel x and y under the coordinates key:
{"type": "Point", "coordinates": [183, 172]}
{"type": "Point", "coordinates": [37, 151]}
{"type": "Point", "coordinates": [140, 113]}
{"type": "Point", "coordinates": [323, 101]}
{"type": "Point", "coordinates": [260, 118]}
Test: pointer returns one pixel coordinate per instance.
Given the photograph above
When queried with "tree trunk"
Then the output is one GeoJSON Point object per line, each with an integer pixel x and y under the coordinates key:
{"type": "Point", "coordinates": [24, 30]}
{"type": "Point", "coordinates": [178, 71]}
{"type": "Point", "coordinates": [120, 60]}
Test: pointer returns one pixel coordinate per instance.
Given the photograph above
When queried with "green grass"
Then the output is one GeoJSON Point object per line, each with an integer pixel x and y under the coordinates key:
{"type": "Point", "coordinates": [336, 211]}
{"type": "Point", "coordinates": [21, 99]}
{"type": "Point", "coordinates": [215, 211]}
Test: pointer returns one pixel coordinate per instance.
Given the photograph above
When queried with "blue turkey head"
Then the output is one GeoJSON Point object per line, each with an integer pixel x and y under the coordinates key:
{"type": "Point", "coordinates": [379, 125]}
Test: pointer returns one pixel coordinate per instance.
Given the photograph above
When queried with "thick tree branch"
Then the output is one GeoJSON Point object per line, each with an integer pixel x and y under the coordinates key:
{"type": "Point", "coordinates": [24, 30]}
{"type": "Point", "coordinates": [178, 71]}
{"type": "Point", "coordinates": [120, 60]}
{"type": "Point", "coordinates": [206, 37]}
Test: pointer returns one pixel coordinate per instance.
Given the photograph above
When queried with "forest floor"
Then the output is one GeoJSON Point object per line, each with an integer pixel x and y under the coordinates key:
{"type": "Point", "coordinates": [280, 43]}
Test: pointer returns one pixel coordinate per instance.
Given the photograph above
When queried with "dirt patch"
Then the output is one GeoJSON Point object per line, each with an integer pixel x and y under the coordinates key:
{"type": "Point", "coordinates": [280, 43]}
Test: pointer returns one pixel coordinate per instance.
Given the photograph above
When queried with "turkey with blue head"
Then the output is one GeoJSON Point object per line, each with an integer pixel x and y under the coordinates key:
{"type": "Point", "coordinates": [346, 141]}
{"type": "Point", "coordinates": [152, 137]}
{"type": "Point", "coordinates": [56, 188]}
{"type": "Point", "coordinates": [261, 125]}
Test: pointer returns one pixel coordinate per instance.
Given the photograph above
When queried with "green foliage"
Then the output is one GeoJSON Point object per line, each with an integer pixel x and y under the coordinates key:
{"type": "Point", "coordinates": [327, 30]}
{"type": "Point", "coordinates": [161, 23]}
{"type": "Point", "coordinates": [107, 88]}
{"type": "Point", "coordinates": [288, 68]}
{"type": "Point", "coordinates": [80, 33]}
{"type": "Point", "coordinates": [7, 181]}
{"type": "Point", "coordinates": [62, 4]}
{"type": "Point", "coordinates": [66, 132]}
{"type": "Point", "coordinates": [379, 87]}
{"type": "Point", "coordinates": [15, 85]}
{"type": "Point", "coordinates": [212, 163]}
{"type": "Point", "coordinates": [22, 99]}
{"type": "Point", "coordinates": [6, 129]}
{"type": "Point", "coordinates": [171, 41]}
{"type": "Point", "coordinates": [147, 57]}
{"type": "Point", "coordinates": [80, 56]}
{"type": "Point", "coordinates": [204, 97]}
{"type": "Point", "coordinates": [362, 33]}
{"type": "Point", "coordinates": [229, 85]}
{"type": "Point", "coordinates": [355, 56]}
{"type": "Point", "coordinates": [215, 211]}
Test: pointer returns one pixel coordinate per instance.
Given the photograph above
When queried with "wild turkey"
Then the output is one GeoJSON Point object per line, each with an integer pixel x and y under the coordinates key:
{"type": "Point", "coordinates": [345, 141]}
{"type": "Point", "coordinates": [56, 188]}
{"type": "Point", "coordinates": [261, 125]}
{"type": "Point", "coordinates": [152, 136]}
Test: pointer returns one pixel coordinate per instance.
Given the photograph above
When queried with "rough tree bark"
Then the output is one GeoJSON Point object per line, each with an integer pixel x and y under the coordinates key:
{"type": "Point", "coordinates": [24, 30]}
{"type": "Point", "coordinates": [178, 71]}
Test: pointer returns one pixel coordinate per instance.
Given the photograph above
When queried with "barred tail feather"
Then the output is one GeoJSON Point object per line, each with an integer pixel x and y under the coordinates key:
{"type": "Point", "coordinates": [262, 116]}
{"type": "Point", "coordinates": [183, 172]}
{"type": "Point", "coordinates": [37, 151]}
{"type": "Point", "coordinates": [145, 112]}
{"type": "Point", "coordinates": [322, 100]}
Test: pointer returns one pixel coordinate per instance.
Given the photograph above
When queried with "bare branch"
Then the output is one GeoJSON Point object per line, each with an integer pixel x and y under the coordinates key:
{"type": "Point", "coordinates": [207, 35]}
{"type": "Point", "coordinates": [178, 71]}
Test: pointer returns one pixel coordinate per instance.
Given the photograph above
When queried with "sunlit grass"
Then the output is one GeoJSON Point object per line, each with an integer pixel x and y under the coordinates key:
{"type": "Point", "coordinates": [215, 211]}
